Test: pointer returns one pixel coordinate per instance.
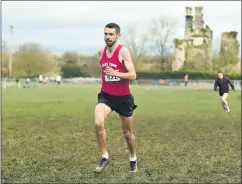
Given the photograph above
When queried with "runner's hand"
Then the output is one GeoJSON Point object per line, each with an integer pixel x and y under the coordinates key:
{"type": "Point", "coordinates": [110, 71]}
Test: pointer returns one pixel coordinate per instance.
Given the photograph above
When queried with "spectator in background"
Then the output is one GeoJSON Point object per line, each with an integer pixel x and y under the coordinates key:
{"type": "Point", "coordinates": [18, 83]}
{"type": "Point", "coordinates": [162, 81]}
{"type": "Point", "coordinates": [26, 83]}
{"type": "Point", "coordinates": [40, 78]}
{"type": "Point", "coordinates": [156, 83]}
{"type": "Point", "coordinates": [47, 81]}
{"type": "Point", "coordinates": [186, 80]}
{"type": "Point", "coordinates": [58, 79]}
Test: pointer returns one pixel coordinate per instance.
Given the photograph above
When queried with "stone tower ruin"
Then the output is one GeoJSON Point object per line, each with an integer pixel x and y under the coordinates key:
{"type": "Point", "coordinates": [229, 52]}
{"type": "Point", "coordinates": [229, 44]}
{"type": "Point", "coordinates": [197, 43]}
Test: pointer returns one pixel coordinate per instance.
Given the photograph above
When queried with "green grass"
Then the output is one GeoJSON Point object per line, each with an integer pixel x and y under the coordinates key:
{"type": "Point", "coordinates": [182, 135]}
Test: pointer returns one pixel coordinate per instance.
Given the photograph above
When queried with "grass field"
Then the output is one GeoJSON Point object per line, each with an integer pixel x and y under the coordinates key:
{"type": "Point", "coordinates": [182, 135]}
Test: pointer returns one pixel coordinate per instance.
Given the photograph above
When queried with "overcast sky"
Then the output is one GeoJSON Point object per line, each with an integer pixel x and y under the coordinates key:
{"type": "Point", "coordinates": [78, 25]}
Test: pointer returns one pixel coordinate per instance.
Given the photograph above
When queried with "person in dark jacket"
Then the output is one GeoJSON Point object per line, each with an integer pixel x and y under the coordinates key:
{"type": "Point", "coordinates": [223, 83]}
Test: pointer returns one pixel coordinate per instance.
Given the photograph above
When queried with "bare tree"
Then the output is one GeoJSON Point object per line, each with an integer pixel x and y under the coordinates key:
{"type": "Point", "coordinates": [162, 30]}
{"type": "Point", "coordinates": [135, 39]}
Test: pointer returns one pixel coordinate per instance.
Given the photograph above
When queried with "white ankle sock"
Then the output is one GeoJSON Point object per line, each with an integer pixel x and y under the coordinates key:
{"type": "Point", "coordinates": [105, 156]}
{"type": "Point", "coordinates": [132, 158]}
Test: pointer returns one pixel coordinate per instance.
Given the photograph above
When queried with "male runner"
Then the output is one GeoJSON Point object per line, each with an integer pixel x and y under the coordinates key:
{"type": "Point", "coordinates": [223, 83]}
{"type": "Point", "coordinates": [117, 69]}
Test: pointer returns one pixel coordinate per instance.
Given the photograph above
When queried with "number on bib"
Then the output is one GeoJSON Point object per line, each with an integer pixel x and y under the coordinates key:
{"type": "Point", "coordinates": [109, 78]}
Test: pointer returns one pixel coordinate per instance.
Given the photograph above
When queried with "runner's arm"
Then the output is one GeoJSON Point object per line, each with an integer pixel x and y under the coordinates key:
{"type": "Point", "coordinates": [100, 51]}
{"type": "Point", "coordinates": [232, 86]}
{"type": "Point", "coordinates": [215, 85]}
{"type": "Point", "coordinates": [128, 63]}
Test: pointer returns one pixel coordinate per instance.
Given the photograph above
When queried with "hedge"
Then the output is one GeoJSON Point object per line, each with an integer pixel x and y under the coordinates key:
{"type": "Point", "coordinates": [77, 71]}
{"type": "Point", "coordinates": [70, 71]}
{"type": "Point", "coordinates": [181, 74]}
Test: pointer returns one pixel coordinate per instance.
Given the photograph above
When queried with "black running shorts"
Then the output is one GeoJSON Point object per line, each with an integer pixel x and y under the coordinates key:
{"type": "Point", "coordinates": [221, 93]}
{"type": "Point", "coordinates": [123, 105]}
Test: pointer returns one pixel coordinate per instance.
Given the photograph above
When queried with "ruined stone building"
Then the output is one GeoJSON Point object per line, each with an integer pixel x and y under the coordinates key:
{"type": "Point", "coordinates": [229, 44]}
{"type": "Point", "coordinates": [196, 48]}
{"type": "Point", "coordinates": [197, 42]}
{"type": "Point", "coordinates": [229, 51]}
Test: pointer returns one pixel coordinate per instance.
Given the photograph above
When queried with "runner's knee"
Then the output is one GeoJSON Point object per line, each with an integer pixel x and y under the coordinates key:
{"type": "Point", "coordinates": [99, 117]}
{"type": "Point", "coordinates": [99, 122]}
{"type": "Point", "coordinates": [223, 100]}
{"type": "Point", "coordinates": [128, 134]}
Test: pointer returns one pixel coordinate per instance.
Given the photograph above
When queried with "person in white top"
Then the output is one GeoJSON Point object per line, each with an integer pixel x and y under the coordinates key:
{"type": "Point", "coordinates": [40, 78]}
{"type": "Point", "coordinates": [58, 79]}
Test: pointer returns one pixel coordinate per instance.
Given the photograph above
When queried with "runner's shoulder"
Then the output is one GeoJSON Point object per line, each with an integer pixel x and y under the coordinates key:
{"type": "Point", "coordinates": [124, 49]}
{"type": "Point", "coordinates": [100, 51]}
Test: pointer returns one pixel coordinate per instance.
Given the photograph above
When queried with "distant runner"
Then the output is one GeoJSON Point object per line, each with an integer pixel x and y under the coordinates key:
{"type": "Point", "coordinates": [223, 83]}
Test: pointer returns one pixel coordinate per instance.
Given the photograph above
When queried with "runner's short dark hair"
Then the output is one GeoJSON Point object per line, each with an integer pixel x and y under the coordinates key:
{"type": "Point", "coordinates": [115, 26]}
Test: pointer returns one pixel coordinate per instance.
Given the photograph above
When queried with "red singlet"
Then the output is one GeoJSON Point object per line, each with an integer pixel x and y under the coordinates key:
{"type": "Point", "coordinates": [113, 85]}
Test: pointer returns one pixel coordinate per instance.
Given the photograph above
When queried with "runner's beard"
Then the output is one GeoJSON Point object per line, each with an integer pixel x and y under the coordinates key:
{"type": "Point", "coordinates": [110, 43]}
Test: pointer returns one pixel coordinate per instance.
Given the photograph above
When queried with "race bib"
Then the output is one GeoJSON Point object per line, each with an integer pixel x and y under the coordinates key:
{"type": "Point", "coordinates": [109, 78]}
